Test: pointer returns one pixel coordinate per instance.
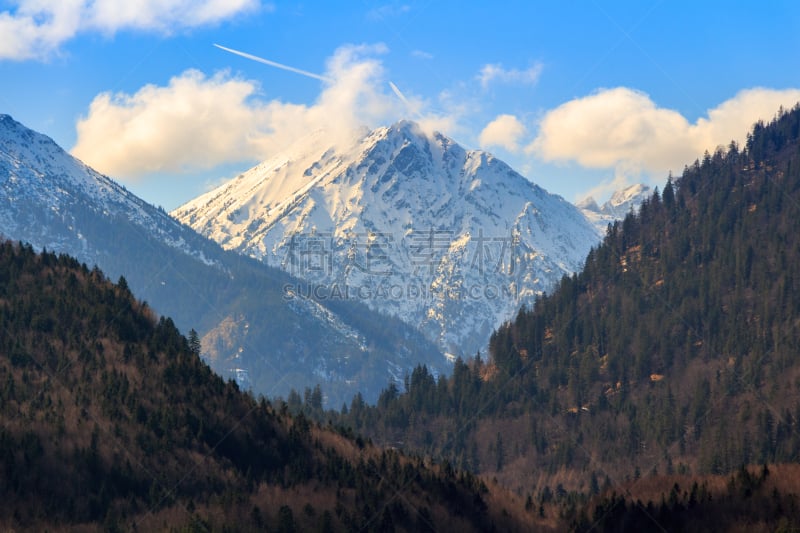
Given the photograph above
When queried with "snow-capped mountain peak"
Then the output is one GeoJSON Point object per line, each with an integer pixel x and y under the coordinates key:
{"type": "Point", "coordinates": [616, 207]}
{"type": "Point", "coordinates": [588, 203]}
{"type": "Point", "coordinates": [622, 200]}
{"type": "Point", "coordinates": [451, 240]}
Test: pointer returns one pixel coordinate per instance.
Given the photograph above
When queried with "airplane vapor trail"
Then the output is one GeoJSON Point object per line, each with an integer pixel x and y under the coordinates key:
{"type": "Point", "coordinates": [274, 64]}
{"type": "Point", "coordinates": [400, 95]}
{"type": "Point", "coordinates": [403, 98]}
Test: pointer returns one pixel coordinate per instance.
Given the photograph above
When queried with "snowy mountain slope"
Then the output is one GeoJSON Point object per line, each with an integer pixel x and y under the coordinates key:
{"type": "Point", "coordinates": [251, 331]}
{"type": "Point", "coordinates": [36, 173]}
{"type": "Point", "coordinates": [450, 240]}
{"type": "Point", "coordinates": [619, 205]}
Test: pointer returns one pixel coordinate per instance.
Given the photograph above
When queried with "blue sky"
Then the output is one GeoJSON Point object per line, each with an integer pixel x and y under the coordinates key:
{"type": "Point", "coordinates": [581, 97]}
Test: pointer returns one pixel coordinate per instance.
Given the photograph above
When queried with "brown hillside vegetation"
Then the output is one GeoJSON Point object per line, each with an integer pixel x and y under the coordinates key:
{"type": "Point", "coordinates": [754, 499]}
{"type": "Point", "coordinates": [110, 421]}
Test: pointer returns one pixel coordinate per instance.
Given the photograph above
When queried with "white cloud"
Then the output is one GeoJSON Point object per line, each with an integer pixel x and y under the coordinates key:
{"type": "Point", "coordinates": [421, 54]}
{"type": "Point", "coordinates": [198, 122]}
{"type": "Point", "coordinates": [624, 130]}
{"type": "Point", "coordinates": [446, 114]}
{"type": "Point", "coordinates": [161, 15]}
{"type": "Point", "coordinates": [504, 131]}
{"type": "Point", "coordinates": [193, 123]}
{"type": "Point", "coordinates": [494, 72]}
{"type": "Point", "coordinates": [36, 29]}
{"type": "Point", "coordinates": [388, 11]}
{"type": "Point", "coordinates": [734, 118]}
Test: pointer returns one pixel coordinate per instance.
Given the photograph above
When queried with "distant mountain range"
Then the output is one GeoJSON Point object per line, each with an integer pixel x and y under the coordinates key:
{"type": "Point", "coordinates": [251, 329]}
{"type": "Point", "coordinates": [452, 241]}
{"type": "Point", "coordinates": [617, 207]}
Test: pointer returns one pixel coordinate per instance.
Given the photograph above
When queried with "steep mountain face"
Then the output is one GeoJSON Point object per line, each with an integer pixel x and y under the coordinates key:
{"type": "Point", "coordinates": [111, 422]}
{"type": "Point", "coordinates": [50, 199]}
{"type": "Point", "coordinates": [252, 331]}
{"type": "Point", "coordinates": [615, 208]}
{"type": "Point", "coordinates": [450, 240]}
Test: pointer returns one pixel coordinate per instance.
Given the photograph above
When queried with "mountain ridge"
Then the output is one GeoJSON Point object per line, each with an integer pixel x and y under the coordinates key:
{"type": "Point", "coordinates": [441, 223]}
{"type": "Point", "coordinates": [51, 183]}
{"type": "Point", "coordinates": [621, 202]}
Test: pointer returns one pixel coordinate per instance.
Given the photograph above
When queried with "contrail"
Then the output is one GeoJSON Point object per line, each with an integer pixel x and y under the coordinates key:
{"type": "Point", "coordinates": [402, 98]}
{"type": "Point", "coordinates": [278, 65]}
{"type": "Point", "coordinates": [400, 95]}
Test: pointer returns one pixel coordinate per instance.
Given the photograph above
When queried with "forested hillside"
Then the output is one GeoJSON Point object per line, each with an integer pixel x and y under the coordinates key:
{"type": "Point", "coordinates": [673, 352]}
{"type": "Point", "coordinates": [110, 421]}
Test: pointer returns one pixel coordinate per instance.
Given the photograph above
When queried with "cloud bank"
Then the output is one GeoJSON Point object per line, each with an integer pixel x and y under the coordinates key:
{"type": "Point", "coordinates": [198, 122]}
{"type": "Point", "coordinates": [624, 130]}
{"type": "Point", "coordinates": [505, 131]}
{"type": "Point", "coordinates": [36, 29]}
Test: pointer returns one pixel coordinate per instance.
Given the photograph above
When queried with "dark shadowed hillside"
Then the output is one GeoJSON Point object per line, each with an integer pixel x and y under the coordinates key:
{"type": "Point", "coordinates": [109, 420]}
